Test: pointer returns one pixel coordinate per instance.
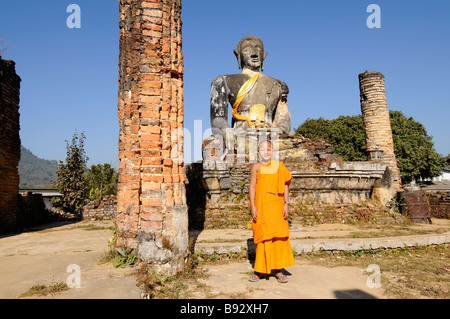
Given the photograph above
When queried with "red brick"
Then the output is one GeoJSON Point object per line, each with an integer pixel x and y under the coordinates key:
{"type": "Point", "coordinates": [151, 201]}
{"type": "Point", "coordinates": [149, 110]}
{"type": "Point", "coordinates": [151, 226]}
{"type": "Point", "coordinates": [150, 99]}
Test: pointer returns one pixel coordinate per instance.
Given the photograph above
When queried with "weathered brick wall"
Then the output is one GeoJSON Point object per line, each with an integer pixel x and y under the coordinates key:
{"type": "Point", "coordinates": [439, 203]}
{"type": "Point", "coordinates": [32, 211]}
{"type": "Point", "coordinates": [151, 209]}
{"type": "Point", "coordinates": [104, 209]}
{"type": "Point", "coordinates": [9, 145]}
{"type": "Point", "coordinates": [376, 119]}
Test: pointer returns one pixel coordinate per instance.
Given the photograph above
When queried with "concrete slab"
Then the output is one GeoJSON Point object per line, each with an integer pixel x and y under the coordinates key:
{"type": "Point", "coordinates": [322, 237]}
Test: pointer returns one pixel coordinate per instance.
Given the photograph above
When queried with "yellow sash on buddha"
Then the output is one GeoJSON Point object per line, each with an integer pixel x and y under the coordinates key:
{"type": "Point", "coordinates": [247, 87]}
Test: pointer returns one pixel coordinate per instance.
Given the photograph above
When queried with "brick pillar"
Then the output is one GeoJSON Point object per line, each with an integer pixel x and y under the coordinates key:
{"type": "Point", "coordinates": [376, 120]}
{"type": "Point", "coordinates": [152, 212]}
{"type": "Point", "coordinates": [9, 145]}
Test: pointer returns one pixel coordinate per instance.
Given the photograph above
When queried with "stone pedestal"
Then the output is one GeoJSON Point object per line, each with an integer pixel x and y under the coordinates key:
{"type": "Point", "coordinates": [320, 176]}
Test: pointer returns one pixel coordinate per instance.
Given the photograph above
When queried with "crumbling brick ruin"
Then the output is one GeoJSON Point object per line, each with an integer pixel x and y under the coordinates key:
{"type": "Point", "coordinates": [377, 124]}
{"type": "Point", "coordinates": [9, 145]}
{"type": "Point", "coordinates": [439, 203]}
{"type": "Point", "coordinates": [152, 216]}
{"type": "Point", "coordinates": [151, 202]}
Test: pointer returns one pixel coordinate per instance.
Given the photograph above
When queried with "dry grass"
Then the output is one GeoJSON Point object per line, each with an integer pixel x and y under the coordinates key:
{"type": "Point", "coordinates": [406, 273]}
{"type": "Point", "coordinates": [181, 286]}
{"type": "Point", "coordinates": [189, 284]}
{"type": "Point", "coordinates": [45, 290]}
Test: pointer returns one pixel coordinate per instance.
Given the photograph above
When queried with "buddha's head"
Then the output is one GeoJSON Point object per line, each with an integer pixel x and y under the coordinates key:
{"type": "Point", "coordinates": [250, 53]}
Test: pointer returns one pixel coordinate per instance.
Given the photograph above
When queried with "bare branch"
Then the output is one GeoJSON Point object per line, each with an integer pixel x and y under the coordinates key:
{"type": "Point", "coordinates": [4, 44]}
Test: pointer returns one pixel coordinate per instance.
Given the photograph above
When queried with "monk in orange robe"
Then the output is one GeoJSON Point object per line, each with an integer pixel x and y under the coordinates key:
{"type": "Point", "coordinates": [269, 200]}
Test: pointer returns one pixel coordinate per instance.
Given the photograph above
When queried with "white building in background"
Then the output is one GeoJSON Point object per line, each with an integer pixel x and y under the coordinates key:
{"type": "Point", "coordinates": [47, 195]}
{"type": "Point", "coordinates": [445, 175]}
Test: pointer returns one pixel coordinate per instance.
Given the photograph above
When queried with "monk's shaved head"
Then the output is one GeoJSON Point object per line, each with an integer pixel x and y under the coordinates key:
{"type": "Point", "coordinates": [265, 143]}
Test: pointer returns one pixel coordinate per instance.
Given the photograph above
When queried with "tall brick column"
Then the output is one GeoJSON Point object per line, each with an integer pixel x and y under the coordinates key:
{"type": "Point", "coordinates": [152, 212]}
{"type": "Point", "coordinates": [376, 119]}
{"type": "Point", "coordinates": [9, 145]}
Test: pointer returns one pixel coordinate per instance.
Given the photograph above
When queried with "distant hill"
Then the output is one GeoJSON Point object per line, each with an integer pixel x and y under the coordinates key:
{"type": "Point", "coordinates": [35, 172]}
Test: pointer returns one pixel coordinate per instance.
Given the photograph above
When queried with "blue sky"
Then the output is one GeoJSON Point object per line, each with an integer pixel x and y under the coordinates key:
{"type": "Point", "coordinates": [69, 76]}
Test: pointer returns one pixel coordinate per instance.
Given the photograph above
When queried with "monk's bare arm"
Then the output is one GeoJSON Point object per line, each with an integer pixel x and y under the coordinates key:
{"type": "Point", "coordinates": [252, 191]}
{"type": "Point", "coordinates": [286, 192]}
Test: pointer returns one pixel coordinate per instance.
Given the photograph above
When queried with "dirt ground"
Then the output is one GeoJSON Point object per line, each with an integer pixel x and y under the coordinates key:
{"type": "Point", "coordinates": [304, 282]}
{"type": "Point", "coordinates": [44, 256]}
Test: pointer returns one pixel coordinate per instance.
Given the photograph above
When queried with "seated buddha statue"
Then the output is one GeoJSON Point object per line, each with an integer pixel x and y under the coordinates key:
{"type": "Point", "coordinates": [257, 100]}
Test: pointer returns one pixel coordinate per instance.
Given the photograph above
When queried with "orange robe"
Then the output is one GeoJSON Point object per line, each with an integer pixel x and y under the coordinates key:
{"type": "Point", "coordinates": [271, 230]}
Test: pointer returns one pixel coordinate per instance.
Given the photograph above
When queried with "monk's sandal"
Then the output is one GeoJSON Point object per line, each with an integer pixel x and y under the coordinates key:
{"type": "Point", "coordinates": [281, 279]}
{"type": "Point", "coordinates": [254, 278]}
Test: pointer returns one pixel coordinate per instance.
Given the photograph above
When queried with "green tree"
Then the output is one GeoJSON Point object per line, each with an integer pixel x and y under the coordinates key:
{"type": "Point", "coordinates": [346, 134]}
{"type": "Point", "coordinates": [413, 146]}
{"type": "Point", "coordinates": [70, 177]}
{"type": "Point", "coordinates": [101, 180]}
